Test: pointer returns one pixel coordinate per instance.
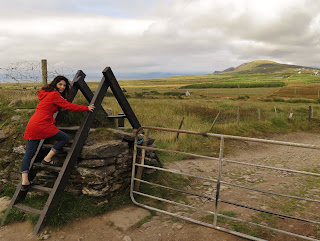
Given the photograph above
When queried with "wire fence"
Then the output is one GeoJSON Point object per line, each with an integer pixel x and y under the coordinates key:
{"type": "Point", "coordinates": [30, 72]}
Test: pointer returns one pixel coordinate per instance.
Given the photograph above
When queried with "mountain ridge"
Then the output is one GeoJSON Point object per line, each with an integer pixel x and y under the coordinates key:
{"type": "Point", "coordinates": [265, 66]}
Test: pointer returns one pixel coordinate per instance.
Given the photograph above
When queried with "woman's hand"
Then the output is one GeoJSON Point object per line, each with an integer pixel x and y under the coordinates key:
{"type": "Point", "coordinates": [91, 107]}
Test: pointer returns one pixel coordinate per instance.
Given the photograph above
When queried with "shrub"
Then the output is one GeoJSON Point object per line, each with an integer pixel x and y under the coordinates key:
{"type": "Point", "coordinates": [234, 85]}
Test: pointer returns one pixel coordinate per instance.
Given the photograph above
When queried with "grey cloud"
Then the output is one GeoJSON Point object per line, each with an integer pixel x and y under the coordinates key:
{"type": "Point", "coordinates": [182, 36]}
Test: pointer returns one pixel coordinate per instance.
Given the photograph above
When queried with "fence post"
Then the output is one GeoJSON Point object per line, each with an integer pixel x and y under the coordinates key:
{"type": "Point", "coordinates": [238, 115]}
{"type": "Point", "coordinates": [44, 72]}
{"type": "Point", "coordinates": [275, 111]}
{"type": "Point", "coordinates": [310, 110]}
{"type": "Point", "coordinates": [143, 154]}
{"type": "Point", "coordinates": [179, 128]}
{"type": "Point", "coordinates": [215, 119]}
{"type": "Point", "coordinates": [218, 181]}
{"type": "Point", "coordinates": [259, 113]}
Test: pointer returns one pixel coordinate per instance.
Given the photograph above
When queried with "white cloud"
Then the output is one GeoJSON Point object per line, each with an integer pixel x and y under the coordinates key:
{"type": "Point", "coordinates": [159, 36]}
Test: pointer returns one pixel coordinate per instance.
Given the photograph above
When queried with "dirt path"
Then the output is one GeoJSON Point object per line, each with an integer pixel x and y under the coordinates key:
{"type": "Point", "coordinates": [121, 224]}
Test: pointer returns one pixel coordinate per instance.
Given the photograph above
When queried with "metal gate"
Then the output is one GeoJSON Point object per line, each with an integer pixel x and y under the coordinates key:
{"type": "Point", "coordinates": [219, 218]}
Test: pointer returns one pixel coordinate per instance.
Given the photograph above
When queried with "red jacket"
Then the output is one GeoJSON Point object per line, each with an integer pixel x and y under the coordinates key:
{"type": "Point", "coordinates": [41, 124]}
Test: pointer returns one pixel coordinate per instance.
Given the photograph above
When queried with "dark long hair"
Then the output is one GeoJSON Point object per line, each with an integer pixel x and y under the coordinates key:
{"type": "Point", "coordinates": [52, 86]}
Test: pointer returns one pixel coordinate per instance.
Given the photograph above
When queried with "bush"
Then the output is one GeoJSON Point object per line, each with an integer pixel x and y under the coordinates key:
{"type": "Point", "coordinates": [173, 93]}
{"type": "Point", "coordinates": [234, 85]}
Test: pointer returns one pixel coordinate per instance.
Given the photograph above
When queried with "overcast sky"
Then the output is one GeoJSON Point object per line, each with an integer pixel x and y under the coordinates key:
{"type": "Point", "coordinates": [141, 36]}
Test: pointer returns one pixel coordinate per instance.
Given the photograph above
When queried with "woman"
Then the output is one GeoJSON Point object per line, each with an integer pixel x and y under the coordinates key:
{"type": "Point", "coordinates": [41, 124]}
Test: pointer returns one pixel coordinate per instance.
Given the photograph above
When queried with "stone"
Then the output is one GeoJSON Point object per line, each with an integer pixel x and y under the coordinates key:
{"type": "Point", "coordinates": [19, 150]}
{"type": "Point", "coordinates": [115, 187]}
{"type": "Point", "coordinates": [126, 217]}
{"type": "Point", "coordinates": [16, 117]}
{"type": "Point", "coordinates": [24, 110]}
{"type": "Point", "coordinates": [103, 150]}
{"type": "Point", "coordinates": [97, 162]}
{"type": "Point", "coordinates": [149, 224]}
{"type": "Point", "coordinates": [95, 193]}
{"type": "Point", "coordinates": [45, 237]}
{"type": "Point", "coordinates": [96, 172]}
{"type": "Point", "coordinates": [122, 135]}
{"type": "Point", "coordinates": [127, 238]}
{"type": "Point", "coordinates": [208, 184]}
{"type": "Point", "coordinates": [4, 202]}
{"type": "Point", "coordinates": [177, 226]}
{"type": "Point", "coordinates": [15, 103]}
{"type": "Point", "coordinates": [2, 136]}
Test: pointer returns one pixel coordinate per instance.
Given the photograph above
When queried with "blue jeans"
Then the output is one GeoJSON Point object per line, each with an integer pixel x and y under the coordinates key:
{"type": "Point", "coordinates": [32, 145]}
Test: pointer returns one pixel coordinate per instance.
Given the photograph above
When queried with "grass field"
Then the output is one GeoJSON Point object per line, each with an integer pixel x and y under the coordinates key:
{"type": "Point", "coordinates": [253, 112]}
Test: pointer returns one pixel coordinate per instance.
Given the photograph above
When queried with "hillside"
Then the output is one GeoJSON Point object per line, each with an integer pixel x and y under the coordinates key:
{"type": "Point", "coordinates": [268, 67]}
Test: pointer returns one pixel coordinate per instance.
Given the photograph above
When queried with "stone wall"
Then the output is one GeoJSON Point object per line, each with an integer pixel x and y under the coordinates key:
{"type": "Point", "coordinates": [103, 167]}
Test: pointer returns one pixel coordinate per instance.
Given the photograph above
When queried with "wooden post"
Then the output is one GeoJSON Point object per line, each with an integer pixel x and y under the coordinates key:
{"type": "Point", "coordinates": [215, 119]}
{"type": "Point", "coordinates": [275, 111]}
{"type": "Point", "coordinates": [44, 72]}
{"type": "Point", "coordinates": [318, 94]}
{"type": "Point", "coordinates": [259, 113]}
{"type": "Point", "coordinates": [179, 128]}
{"type": "Point", "coordinates": [238, 115]}
{"type": "Point", "coordinates": [141, 160]}
{"type": "Point", "coordinates": [295, 90]}
{"type": "Point", "coordinates": [310, 110]}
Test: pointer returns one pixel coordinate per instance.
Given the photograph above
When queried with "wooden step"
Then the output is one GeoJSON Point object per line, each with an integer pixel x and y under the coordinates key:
{"type": "Point", "coordinates": [72, 129]}
{"type": "Point", "coordinates": [41, 188]}
{"type": "Point", "coordinates": [117, 116]}
{"type": "Point", "coordinates": [64, 149]}
{"type": "Point", "coordinates": [47, 167]}
{"type": "Point", "coordinates": [69, 128]}
{"type": "Point", "coordinates": [27, 209]}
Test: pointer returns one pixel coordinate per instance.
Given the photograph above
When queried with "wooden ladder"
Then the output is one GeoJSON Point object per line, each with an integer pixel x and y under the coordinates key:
{"type": "Point", "coordinates": [65, 170]}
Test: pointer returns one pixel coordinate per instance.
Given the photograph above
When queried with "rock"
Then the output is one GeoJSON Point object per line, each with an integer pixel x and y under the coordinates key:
{"type": "Point", "coordinates": [149, 224]}
{"type": "Point", "coordinates": [207, 184]}
{"type": "Point", "coordinates": [97, 162]}
{"type": "Point", "coordinates": [24, 110]}
{"type": "Point", "coordinates": [103, 150]}
{"type": "Point", "coordinates": [15, 103]}
{"type": "Point", "coordinates": [127, 238]}
{"type": "Point", "coordinates": [126, 217]}
{"type": "Point", "coordinates": [177, 226]}
{"type": "Point", "coordinates": [95, 193]}
{"type": "Point", "coordinates": [115, 187]}
{"type": "Point", "coordinates": [16, 117]}
{"type": "Point", "coordinates": [2, 136]}
{"type": "Point", "coordinates": [122, 135]}
{"type": "Point", "coordinates": [19, 150]}
{"type": "Point", "coordinates": [98, 172]}
{"type": "Point", "coordinates": [4, 202]}
{"type": "Point", "coordinates": [45, 237]}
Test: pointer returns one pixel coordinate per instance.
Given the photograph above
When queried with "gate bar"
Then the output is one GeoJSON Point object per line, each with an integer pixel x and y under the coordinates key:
{"type": "Point", "coordinates": [232, 137]}
{"type": "Point", "coordinates": [219, 181]}
{"type": "Point", "coordinates": [228, 160]}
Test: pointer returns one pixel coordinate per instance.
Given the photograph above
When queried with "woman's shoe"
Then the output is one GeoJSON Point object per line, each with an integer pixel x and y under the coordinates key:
{"type": "Point", "coordinates": [50, 163]}
{"type": "Point", "coordinates": [26, 187]}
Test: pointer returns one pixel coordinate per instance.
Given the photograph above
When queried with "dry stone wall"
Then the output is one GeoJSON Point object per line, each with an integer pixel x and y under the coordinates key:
{"type": "Point", "coordinates": [103, 167]}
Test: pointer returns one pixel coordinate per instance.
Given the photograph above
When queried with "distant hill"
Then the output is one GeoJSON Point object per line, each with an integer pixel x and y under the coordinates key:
{"type": "Point", "coordinates": [265, 66]}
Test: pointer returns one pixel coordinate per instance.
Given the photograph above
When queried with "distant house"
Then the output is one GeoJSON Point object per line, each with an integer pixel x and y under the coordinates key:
{"type": "Point", "coordinates": [316, 72]}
